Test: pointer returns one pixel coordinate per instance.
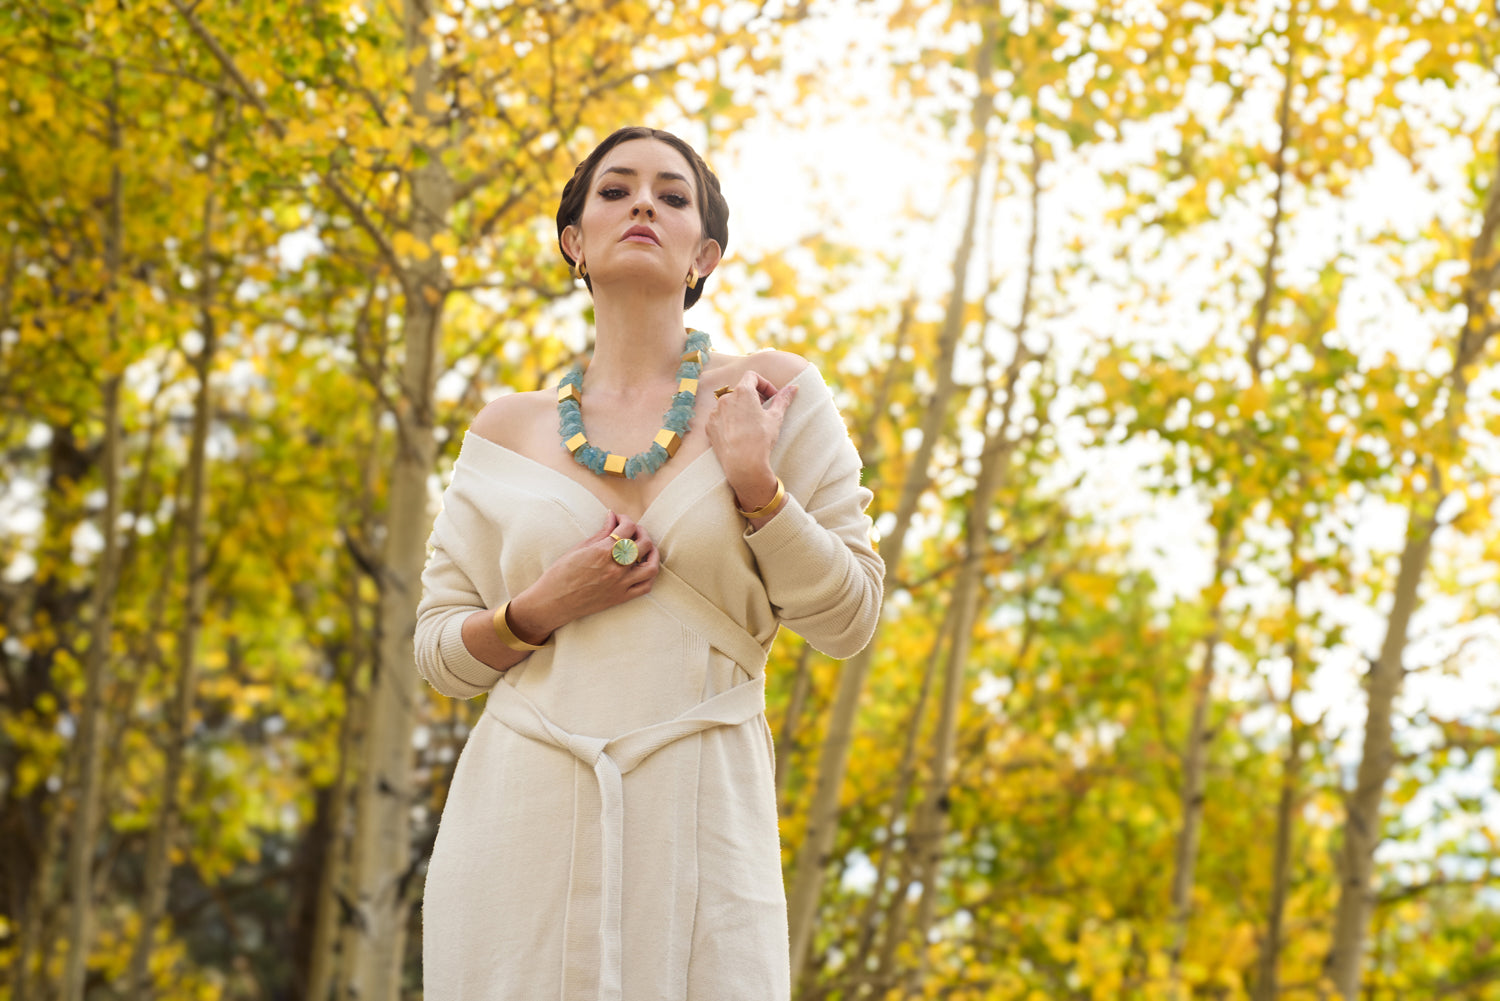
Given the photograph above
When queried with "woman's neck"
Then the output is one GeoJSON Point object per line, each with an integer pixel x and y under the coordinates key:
{"type": "Point", "coordinates": [636, 341]}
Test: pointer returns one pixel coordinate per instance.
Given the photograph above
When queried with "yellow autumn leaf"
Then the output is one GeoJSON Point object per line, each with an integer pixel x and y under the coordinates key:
{"type": "Point", "coordinates": [409, 246]}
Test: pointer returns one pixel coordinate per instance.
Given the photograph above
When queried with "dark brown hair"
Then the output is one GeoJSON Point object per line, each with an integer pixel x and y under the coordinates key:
{"type": "Point", "coordinates": [713, 211]}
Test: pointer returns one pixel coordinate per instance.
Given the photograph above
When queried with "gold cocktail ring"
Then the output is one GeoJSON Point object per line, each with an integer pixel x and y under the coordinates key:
{"type": "Point", "coordinates": [721, 391]}
{"type": "Point", "coordinates": [624, 552]}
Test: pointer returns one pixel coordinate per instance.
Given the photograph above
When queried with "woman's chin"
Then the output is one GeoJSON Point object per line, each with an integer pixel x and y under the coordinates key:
{"type": "Point", "coordinates": [643, 278]}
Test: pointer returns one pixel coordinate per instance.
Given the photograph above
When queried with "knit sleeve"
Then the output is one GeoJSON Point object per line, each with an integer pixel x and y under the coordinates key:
{"type": "Point", "coordinates": [448, 598]}
{"type": "Point", "coordinates": [820, 571]}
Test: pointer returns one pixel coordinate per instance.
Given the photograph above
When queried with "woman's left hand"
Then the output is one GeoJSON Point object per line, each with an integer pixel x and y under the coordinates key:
{"type": "Point", "coordinates": [742, 427]}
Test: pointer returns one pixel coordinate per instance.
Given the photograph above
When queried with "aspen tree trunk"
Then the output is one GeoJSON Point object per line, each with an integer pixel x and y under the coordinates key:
{"type": "Point", "coordinates": [1195, 757]}
{"type": "Point", "coordinates": [39, 874]}
{"type": "Point", "coordinates": [872, 453]}
{"type": "Point", "coordinates": [1266, 983]}
{"type": "Point", "coordinates": [868, 439]}
{"type": "Point", "coordinates": [894, 932]}
{"type": "Point", "coordinates": [1362, 824]}
{"type": "Point", "coordinates": [823, 813]}
{"type": "Point", "coordinates": [335, 911]}
{"type": "Point", "coordinates": [894, 924]}
{"type": "Point", "coordinates": [1378, 756]}
{"type": "Point", "coordinates": [320, 976]}
{"type": "Point", "coordinates": [1195, 762]}
{"type": "Point", "coordinates": [32, 875]}
{"type": "Point", "coordinates": [90, 748]}
{"type": "Point", "coordinates": [791, 720]}
{"type": "Point", "coordinates": [326, 927]}
{"type": "Point", "coordinates": [383, 864]}
{"type": "Point", "coordinates": [36, 915]}
{"type": "Point", "coordinates": [931, 826]}
{"type": "Point", "coordinates": [8, 282]}
{"type": "Point", "coordinates": [1278, 210]}
{"type": "Point", "coordinates": [158, 871]}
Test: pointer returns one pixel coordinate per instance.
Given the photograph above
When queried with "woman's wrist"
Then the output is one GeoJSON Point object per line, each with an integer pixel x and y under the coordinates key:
{"type": "Point", "coordinates": [528, 620]}
{"type": "Point", "coordinates": [755, 490]}
{"type": "Point", "coordinates": [761, 502]}
{"type": "Point", "coordinates": [770, 507]}
{"type": "Point", "coordinates": [503, 629]}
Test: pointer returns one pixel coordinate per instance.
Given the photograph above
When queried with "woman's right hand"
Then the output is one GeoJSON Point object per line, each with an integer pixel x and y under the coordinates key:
{"type": "Point", "coordinates": [584, 580]}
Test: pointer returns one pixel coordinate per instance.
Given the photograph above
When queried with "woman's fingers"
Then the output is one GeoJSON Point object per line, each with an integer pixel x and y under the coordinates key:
{"type": "Point", "coordinates": [610, 521]}
{"type": "Point", "coordinates": [781, 401]}
{"type": "Point", "coordinates": [646, 551]}
{"type": "Point", "coordinates": [649, 555]}
{"type": "Point", "coordinates": [627, 529]}
{"type": "Point", "coordinates": [644, 573]}
{"type": "Point", "coordinates": [650, 559]}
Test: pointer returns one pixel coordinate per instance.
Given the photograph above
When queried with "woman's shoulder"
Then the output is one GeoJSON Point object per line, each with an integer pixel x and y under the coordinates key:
{"type": "Point", "coordinates": [778, 367]}
{"type": "Point", "coordinates": [510, 420]}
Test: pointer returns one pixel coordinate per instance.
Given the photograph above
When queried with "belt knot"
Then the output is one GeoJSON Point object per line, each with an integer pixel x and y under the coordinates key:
{"type": "Point", "coordinates": [586, 749]}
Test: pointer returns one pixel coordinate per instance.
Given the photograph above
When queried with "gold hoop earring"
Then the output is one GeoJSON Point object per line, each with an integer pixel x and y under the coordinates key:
{"type": "Point", "coordinates": [692, 277]}
{"type": "Point", "coordinates": [581, 270]}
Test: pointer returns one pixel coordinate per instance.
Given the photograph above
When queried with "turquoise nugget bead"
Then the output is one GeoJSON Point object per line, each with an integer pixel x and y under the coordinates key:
{"type": "Point", "coordinates": [678, 418]}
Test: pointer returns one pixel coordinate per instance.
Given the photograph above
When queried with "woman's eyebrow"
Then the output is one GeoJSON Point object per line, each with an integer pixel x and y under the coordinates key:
{"type": "Point", "coordinates": [665, 175]}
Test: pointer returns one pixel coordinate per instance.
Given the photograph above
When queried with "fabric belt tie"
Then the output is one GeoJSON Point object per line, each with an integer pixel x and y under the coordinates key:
{"type": "Point", "coordinates": [611, 760]}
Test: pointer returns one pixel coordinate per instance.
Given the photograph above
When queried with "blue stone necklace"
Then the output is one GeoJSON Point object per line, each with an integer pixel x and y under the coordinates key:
{"type": "Point", "coordinates": [668, 440]}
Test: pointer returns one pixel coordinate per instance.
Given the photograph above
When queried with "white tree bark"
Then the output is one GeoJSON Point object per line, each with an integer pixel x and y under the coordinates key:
{"type": "Point", "coordinates": [1345, 961]}
{"type": "Point", "coordinates": [1362, 824]}
{"type": "Point", "coordinates": [383, 865]}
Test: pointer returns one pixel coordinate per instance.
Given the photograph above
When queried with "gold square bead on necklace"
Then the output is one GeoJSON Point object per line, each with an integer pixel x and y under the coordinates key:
{"type": "Point", "coordinates": [694, 356]}
{"type": "Point", "coordinates": [669, 440]}
{"type": "Point", "coordinates": [568, 391]}
{"type": "Point", "coordinates": [614, 465]}
{"type": "Point", "coordinates": [687, 386]}
{"type": "Point", "coordinates": [576, 442]}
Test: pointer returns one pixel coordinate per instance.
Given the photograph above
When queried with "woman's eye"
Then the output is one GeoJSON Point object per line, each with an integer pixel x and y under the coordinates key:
{"type": "Point", "coordinates": [612, 193]}
{"type": "Point", "coordinates": [675, 200]}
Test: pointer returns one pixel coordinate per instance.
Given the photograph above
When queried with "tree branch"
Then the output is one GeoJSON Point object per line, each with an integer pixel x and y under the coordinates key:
{"type": "Point", "coordinates": [243, 85]}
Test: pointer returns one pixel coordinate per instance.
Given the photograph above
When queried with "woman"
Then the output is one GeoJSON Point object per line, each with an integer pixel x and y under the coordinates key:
{"type": "Point", "coordinates": [614, 578]}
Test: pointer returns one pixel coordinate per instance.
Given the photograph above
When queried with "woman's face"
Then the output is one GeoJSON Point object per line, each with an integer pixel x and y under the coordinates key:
{"type": "Point", "coordinates": [640, 219]}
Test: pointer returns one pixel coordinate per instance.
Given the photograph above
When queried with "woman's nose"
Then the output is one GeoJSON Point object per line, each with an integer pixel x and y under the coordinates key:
{"type": "Point", "coordinates": [643, 208]}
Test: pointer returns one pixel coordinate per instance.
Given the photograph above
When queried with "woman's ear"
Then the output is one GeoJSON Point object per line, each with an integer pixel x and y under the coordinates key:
{"type": "Point", "coordinates": [572, 242]}
{"type": "Point", "coordinates": [708, 257]}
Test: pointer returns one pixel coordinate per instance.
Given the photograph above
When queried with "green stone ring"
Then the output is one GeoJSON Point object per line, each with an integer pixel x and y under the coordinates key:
{"type": "Point", "coordinates": [625, 552]}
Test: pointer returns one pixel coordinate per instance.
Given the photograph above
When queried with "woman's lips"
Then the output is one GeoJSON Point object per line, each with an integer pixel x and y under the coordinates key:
{"type": "Point", "coordinates": [639, 234]}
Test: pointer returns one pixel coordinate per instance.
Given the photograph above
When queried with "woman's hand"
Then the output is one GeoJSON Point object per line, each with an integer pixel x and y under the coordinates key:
{"type": "Point", "coordinates": [584, 580]}
{"type": "Point", "coordinates": [742, 427]}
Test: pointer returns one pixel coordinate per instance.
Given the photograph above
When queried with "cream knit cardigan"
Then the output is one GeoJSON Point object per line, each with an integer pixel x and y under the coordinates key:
{"type": "Point", "coordinates": [610, 832]}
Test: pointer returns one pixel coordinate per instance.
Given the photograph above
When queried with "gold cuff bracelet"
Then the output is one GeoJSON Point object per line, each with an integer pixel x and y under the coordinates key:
{"type": "Point", "coordinates": [769, 506]}
{"type": "Point", "coordinates": [508, 636]}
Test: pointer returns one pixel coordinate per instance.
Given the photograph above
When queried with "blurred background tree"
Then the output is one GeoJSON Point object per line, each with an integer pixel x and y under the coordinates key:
{"type": "Point", "coordinates": [1167, 332]}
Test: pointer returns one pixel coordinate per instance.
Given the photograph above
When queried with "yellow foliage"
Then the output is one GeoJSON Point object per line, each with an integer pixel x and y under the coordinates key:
{"type": "Point", "coordinates": [1065, 800]}
{"type": "Point", "coordinates": [408, 246]}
